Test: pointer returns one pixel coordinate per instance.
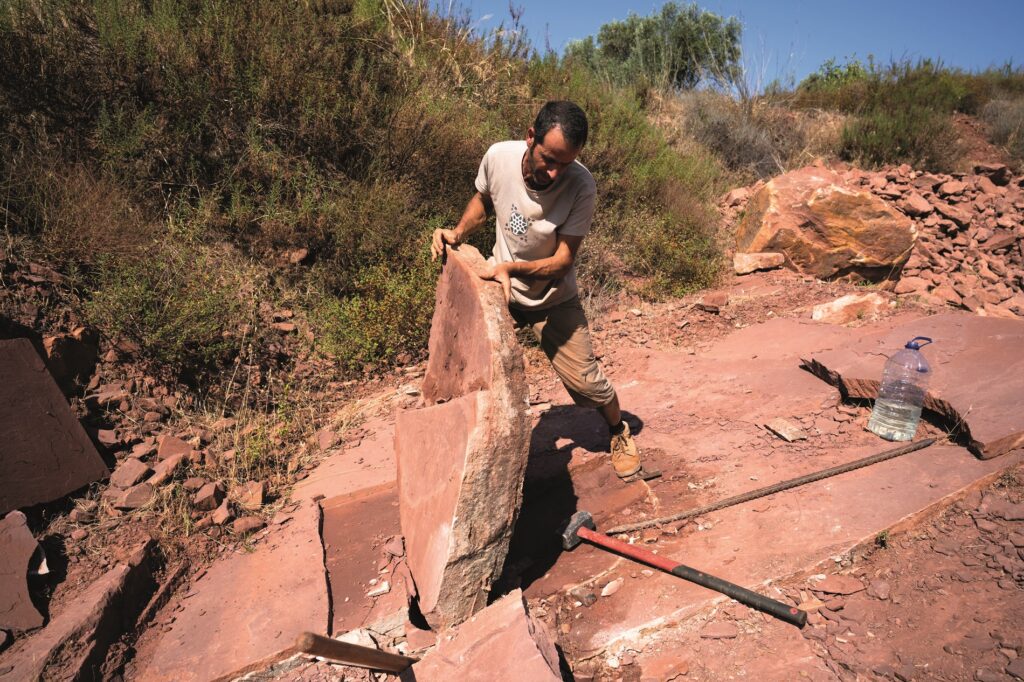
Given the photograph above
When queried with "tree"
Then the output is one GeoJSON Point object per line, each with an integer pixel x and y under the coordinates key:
{"type": "Point", "coordinates": [676, 48]}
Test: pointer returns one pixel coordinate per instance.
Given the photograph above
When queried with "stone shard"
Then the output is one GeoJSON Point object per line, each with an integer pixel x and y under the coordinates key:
{"type": "Point", "coordinates": [76, 641]}
{"type": "Point", "coordinates": [978, 373]}
{"type": "Point", "coordinates": [786, 430]}
{"type": "Point", "coordinates": [838, 584]}
{"type": "Point", "coordinates": [825, 228]}
{"type": "Point", "coordinates": [231, 621]}
{"type": "Point", "coordinates": [128, 473]}
{"type": "Point", "coordinates": [746, 263]}
{"type": "Point", "coordinates": [850, 308]}
{"type": "Point", "coordinates": [46, 453]}
{"type": "Point", "coordinates": [16, 549]}
{"type": "Point", "coordinates": [491, 645]}
{"type": "Point", "coordinates": [462, 457]}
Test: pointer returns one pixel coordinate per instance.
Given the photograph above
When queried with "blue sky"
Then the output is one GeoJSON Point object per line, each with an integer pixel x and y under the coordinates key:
{"type": "Point", "coordinates": [788, 39]}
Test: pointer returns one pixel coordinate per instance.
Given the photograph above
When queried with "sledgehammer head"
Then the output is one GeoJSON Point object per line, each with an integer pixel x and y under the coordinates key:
{"type": "Point", "coordinates": [571, 536]}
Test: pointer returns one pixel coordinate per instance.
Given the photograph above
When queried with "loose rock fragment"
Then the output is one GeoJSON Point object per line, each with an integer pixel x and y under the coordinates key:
{"type": "Point", "coordinates": [135, 497]}
{"type": "Point", "coordinates": [786, 430]}
{"type": "Point", "coordinates": [746, 263]}
{"type": "Point", "coordinates": [838, 584]}
{"type": "Point", "coordinates": [209, 497]}
{"type": "Point", "coordinates": [128, 473]}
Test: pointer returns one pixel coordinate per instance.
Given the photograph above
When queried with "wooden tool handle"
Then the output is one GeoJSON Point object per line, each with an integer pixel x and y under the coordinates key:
{"type": "Point", "coordinates": [352, 654]}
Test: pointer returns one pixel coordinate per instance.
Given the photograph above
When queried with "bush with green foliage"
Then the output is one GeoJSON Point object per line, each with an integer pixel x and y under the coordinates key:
{"type": "Point", "coordinates": [1005, 120]}
{"type": "Point", "coordinates": [181, 307]}
{"type": "Point", "coordinates": [675, 48]}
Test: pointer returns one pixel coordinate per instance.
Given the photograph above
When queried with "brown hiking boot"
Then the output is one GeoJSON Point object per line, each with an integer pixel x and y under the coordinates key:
{"type": "Point", "coordinates": [625, 456]}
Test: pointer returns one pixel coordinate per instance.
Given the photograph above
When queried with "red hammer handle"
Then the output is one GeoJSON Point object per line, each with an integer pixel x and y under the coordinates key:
{"type": "Point", "coordinates": [783, 612]}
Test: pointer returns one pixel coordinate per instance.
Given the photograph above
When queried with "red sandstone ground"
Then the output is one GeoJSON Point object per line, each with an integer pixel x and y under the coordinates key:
{"type": "Point", "coordinates": [952, 583]}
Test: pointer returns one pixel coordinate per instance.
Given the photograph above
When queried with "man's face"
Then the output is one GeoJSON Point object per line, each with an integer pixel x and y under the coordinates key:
{"type": "Point", "coordinates": [546, 160]}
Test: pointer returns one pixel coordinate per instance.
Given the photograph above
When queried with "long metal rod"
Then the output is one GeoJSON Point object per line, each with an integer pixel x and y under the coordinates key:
{"type": "Point", "coordinates": [352, 654]}
{"type": "Point", "coordinates": [783, 612]}
{"type": "Point", "coordinates": [777, 487]}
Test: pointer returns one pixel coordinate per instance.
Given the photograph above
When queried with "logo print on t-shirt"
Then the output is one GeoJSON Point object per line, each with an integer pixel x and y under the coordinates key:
{"type": "Point", "coordinates": [517, 222]}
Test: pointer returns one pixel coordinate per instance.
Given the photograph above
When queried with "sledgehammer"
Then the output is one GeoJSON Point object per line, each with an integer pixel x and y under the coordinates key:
{"type": "Point", "coordinates": [581, 528]}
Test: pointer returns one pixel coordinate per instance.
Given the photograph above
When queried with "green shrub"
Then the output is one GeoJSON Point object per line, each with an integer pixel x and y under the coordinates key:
{"type": "Point", "coordinates": [921, 137]}
{"type": "Point", "coordinates": [390, 314]}
{"type": "Point", "coordinates": [1005, 120]}
{"type": "Point", "coordinates": [181, 305]}
{"type": "Point", "coordinates": [755, 138]}
{"type": "Point", "coordinates": [674, 48]}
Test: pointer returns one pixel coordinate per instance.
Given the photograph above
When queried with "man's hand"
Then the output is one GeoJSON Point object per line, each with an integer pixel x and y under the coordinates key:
{"type": "Point", "coordinates": [499, 274]}
{"type": "Point", "coordinates": [440, 239]}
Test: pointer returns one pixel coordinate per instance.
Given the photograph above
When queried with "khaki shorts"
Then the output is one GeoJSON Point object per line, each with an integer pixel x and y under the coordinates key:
{"type": "Point", "coordinates": [565, 338]}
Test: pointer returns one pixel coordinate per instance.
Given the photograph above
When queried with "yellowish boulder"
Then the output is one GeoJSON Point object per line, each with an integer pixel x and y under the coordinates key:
{"type": "Point", "coordinates": [826, 229]}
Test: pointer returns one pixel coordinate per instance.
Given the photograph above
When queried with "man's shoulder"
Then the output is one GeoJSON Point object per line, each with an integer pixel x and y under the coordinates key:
{"type": "Point", "coordinates": [583, 178]}
{"type": "Point", "coordinates": [514, 148]}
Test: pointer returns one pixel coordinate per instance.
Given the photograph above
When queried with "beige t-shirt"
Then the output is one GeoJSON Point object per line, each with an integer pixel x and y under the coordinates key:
{"type": "Point", "coordinates": [528, 221]}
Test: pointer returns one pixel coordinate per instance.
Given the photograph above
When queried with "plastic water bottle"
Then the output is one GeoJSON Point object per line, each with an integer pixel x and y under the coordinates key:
{"type": "Point", "coordinates": [901, 395]}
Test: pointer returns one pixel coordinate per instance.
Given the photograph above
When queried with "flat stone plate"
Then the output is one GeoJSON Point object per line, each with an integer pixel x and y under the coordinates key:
{"type": "Point", "coordinates": [247, 607]}
{"type": "Point", "coordinates": [45, 452]}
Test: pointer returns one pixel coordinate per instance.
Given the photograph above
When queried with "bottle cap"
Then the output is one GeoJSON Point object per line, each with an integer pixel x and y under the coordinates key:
{"type": "Point", "coordinates": [914, 345]}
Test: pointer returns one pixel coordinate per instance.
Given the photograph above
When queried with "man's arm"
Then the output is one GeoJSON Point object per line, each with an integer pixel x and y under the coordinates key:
{"type": "Point", "coordinates": [473, 218]}
{"type": "Point", "coordinates": [553, 267]}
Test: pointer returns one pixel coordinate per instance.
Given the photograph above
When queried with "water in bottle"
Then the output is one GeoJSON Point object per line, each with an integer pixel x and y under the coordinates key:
{"type": "Point", "coordinates": [901, 395]}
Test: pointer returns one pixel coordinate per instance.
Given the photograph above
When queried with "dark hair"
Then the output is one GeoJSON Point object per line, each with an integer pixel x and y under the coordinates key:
{"type": "Point", "coordinates": [567, 116]}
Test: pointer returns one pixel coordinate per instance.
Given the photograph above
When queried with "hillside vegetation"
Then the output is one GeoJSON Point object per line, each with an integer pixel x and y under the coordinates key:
{"type": "Point", "coordinates": [192, 166]}
{"type": "Point", "coordinates": [186, 162]}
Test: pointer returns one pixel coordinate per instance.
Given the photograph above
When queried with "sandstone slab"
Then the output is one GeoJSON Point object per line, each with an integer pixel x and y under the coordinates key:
{"type": "Point", "coordinates": [46, 453]}
{"type": "Point", "coordinates": [978, 373]}
{"type": "Point", "coordinates": [17, 545]}
{"type": "Point", "coordinates": [501, 642]}
{"type": "Point", "coordinates": [825, 228]}
{"type": "Point", "coordinates": [75, 642]}
{"type": "Point", "coordinates": [461, 457]}
{"type": "Point", "coordinates": [246, 607]}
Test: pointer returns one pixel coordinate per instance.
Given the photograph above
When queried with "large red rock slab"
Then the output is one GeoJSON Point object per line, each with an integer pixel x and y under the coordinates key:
{"type": "Point", "coordinates": [978, 373]}
{"type": "Point", "coordinates": [16, 549]}
{"type": "Point", "coordinates": [245, 608]}
{"type": "Point", "coordinates": [502, 642]}
{"type": "Point", "coordinates": [462, 457]}
{"type": "Point", "coordinates": [825, 228]}
{"type": "Point", "coordinates": [46, 453]}
{"type": "Point", "coordinates": [75, 643]}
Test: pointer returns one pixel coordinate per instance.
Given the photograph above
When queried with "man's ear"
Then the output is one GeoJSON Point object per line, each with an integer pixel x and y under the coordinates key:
{"type": "Point", "coordinates": [530, 136]}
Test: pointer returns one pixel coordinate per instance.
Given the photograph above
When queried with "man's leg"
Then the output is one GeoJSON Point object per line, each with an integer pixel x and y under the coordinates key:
{"type": "Point", "coordinates": [565, 338]}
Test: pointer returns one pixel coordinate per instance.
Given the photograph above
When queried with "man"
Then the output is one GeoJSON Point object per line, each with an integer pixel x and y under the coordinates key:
{"type": "Point", "coordinates": [543, 200]}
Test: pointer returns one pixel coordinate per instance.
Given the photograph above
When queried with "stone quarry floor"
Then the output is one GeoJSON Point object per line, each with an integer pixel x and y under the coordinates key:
{"type": "Point", "coordinates": [698, 388]}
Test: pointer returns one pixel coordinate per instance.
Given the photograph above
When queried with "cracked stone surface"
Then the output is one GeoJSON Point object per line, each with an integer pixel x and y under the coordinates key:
{"type": "Point", "coordinates": [977, 372]}
{"type": "Point", "coordinates": [47, 453]}
{"type": "Point", "coordinates": [245, 608]}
